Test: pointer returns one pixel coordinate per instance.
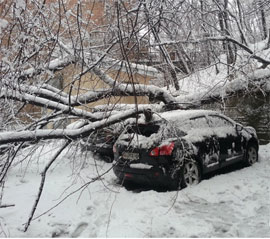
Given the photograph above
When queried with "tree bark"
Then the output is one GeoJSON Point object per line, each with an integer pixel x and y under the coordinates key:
{"type": "Point", "coordinates": [263, 19]}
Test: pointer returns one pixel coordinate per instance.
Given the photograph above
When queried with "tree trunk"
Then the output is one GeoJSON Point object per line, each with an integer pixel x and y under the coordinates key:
{"type": "Point", "coordinates": [240, 15]}
{"type": "Point", "coordinates": [263, 19]}
{"type": "Point", "coordinates": [224, 27]}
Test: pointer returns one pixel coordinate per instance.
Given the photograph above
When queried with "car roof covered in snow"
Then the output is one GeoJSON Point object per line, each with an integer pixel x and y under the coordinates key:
{"type": "Point", "coordinates": [184, 114]}
{"type": "Point", "coordinates": [175, 115]}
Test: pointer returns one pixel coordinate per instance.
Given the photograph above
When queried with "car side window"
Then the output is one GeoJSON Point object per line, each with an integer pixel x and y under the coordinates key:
{"type": "Point", "coordinates": [222, 126]}
{"type": "Point", "coordinates": [199, 122]}
{"type": "Point", "coordinates": [217, 121]}
{"type": "Point", "coordinates": [195, 123]}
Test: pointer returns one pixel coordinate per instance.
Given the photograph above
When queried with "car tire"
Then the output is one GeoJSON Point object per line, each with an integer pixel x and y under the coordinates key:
{"type": "Point", "coordinates": [190, 173]}
{"type": "Point", "coordinates": [251, 156]}
{"type": "Point", "coordinates": [105, 157]}
{"type": "Point", "coordinates": [108, 159]}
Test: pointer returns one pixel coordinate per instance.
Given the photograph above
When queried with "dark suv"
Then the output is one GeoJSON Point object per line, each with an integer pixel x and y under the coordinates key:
{"type": "Point", "coordinates": [176, 148]}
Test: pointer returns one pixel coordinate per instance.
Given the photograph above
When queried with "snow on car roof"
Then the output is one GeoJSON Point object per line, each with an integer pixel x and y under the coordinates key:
{"type": "Point", "coordinates": [174, 115]}
{"type": "Point", "coordinates": [183, 114]}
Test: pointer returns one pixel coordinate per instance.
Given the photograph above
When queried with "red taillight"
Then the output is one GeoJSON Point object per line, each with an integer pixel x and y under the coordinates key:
{"type": "Point", "coordinates": [155, 152]}
{"type": "Point", "coordinates": [163, 150]}
{"type": "Point", "coordinates": [166, 149]}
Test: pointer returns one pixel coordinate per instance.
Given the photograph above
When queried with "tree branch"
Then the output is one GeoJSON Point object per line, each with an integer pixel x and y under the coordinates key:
{"type": "Point", "coordinates": [7, 205]}
{"type": "Point", "coordinates": [43, 178]}
{"type": "Point", "coordinates": [28, 135]}
{"type": "Point", "coordinates": [264, 61]}
{"type": "Point", "coordinates": [140, 89]}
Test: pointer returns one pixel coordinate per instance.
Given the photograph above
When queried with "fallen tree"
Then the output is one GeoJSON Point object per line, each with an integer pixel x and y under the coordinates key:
{"type": "Point", "coordinates": [40, 40]}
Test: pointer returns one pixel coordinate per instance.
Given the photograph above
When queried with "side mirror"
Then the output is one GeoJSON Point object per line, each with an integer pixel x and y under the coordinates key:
{"type": "Point", "coordinates": [239, 127]}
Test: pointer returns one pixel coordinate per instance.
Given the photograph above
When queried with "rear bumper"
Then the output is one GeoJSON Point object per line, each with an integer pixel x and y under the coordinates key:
{"type": "Point", "coordinates": [154, 176]}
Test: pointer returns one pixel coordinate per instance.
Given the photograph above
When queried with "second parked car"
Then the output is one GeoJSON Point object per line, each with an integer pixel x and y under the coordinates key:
{"type": "Point", "coordinates": [102, 141]}
{"type": "Point", "coordinates": [176, 148]}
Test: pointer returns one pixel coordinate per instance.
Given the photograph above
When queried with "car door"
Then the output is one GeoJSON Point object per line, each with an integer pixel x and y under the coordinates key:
{"type": "Point", "coordinates": [230, 141]}
{"type": "Point", "coordinates": [202, 136]}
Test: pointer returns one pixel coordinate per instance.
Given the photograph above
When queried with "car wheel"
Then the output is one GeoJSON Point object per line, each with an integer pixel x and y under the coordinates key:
{"type": "Point", "coordinates": [251, 155]}
{"type": "Point", "coordinates": [108, 159]}
{"type": "Point", "coordinates": [191, 173]}
{"type": "Point", "coordinates": [105, 157]}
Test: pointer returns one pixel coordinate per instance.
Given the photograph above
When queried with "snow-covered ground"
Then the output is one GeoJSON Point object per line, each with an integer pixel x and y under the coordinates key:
{"type": "Point", "coordinates": [235, 204]}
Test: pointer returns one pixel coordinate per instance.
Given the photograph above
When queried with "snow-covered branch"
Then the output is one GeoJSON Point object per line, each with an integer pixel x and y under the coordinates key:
{"type": "Point", "coordinates": [7, 93]}
{"type": "Point", "coordinates": [136, 89]}
{"type": "Point", "coordinates": [30, 135]}
{"type": "Point", "coordinates": [53, 65]}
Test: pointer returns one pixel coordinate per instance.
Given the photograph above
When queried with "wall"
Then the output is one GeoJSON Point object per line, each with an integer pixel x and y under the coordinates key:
{"type": "Point", "coordinates": [250, 109]}
{"type": "Point", "coordinates": [92, 82]}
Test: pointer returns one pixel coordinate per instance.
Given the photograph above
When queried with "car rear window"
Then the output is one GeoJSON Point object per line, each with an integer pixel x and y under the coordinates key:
{"type": "Point", "coordinates": [143, 129]}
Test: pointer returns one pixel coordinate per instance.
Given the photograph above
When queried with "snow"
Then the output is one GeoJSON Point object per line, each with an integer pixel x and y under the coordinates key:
{"type": "Point", "coordinates": [3, 24]}
{"type": "Point", "coordinates": [206, 83]}
{"type": "Point", "coordinates": [121, 107]}
{"type": "Point", "coordinates": [140, 166]}
{"type": "Point", "coordinates": [76, 124]}
{"type": "Point", "coordinates": [233, 204]}
{"type": "Point", "coordinates": [175, 115]}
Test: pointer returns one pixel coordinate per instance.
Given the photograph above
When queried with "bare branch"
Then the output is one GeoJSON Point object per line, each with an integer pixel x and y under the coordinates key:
{"type": "Point", "coordinates": [219, 38]}
{"type": "Point", "coordinates": [43, 178]}
{"type": "Point", "coordinates": [7, 205]}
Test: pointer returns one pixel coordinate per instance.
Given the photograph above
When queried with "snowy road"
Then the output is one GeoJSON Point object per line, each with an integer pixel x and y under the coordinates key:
{"type": "Point", "coordinates": [235, 204]}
